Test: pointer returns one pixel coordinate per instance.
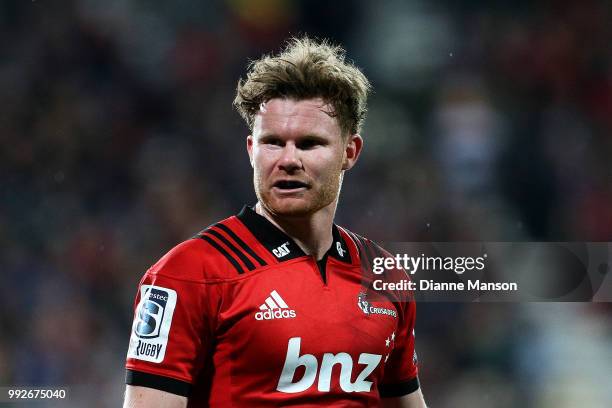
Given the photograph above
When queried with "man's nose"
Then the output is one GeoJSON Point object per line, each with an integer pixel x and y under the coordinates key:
{"type": "Point", "coordinates": [290, 159]}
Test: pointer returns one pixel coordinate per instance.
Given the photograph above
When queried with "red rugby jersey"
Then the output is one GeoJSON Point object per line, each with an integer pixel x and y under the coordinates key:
{"type": "Point", "coordinates": [241, 316]}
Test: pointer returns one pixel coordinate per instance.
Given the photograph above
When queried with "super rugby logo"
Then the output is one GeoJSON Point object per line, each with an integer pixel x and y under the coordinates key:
{"type": "Point", "coordinates": [151, 313]}
{"type": "Point", "coordinates": [152, 321]}
{"type": "Point", "coordinates": [367, 308]}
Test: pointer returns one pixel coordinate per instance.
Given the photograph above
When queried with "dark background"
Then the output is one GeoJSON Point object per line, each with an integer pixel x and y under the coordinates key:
{"type": "Point", "coordinates": [489, 121]}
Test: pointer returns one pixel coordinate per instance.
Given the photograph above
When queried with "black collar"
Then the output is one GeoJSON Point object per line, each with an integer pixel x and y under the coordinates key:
{"type": "Point", "coordinates": [281, 245]}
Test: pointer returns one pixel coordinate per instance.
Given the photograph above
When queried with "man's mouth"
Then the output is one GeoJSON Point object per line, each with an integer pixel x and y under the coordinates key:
{"type": "Point", "coordinates": [290, 184]}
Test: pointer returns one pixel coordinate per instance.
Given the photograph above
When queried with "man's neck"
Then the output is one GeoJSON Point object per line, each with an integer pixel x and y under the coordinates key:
{"type": "Point", "coordinates": [312, 233]}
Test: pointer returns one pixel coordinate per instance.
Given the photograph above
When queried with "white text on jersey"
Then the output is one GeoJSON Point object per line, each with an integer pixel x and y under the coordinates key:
{"type": "Point", "coordinates": [310, 363]}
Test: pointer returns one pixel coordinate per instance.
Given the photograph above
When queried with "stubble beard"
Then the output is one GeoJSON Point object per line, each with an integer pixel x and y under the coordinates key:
{"type": "Point", "coordinates": [315, 200]}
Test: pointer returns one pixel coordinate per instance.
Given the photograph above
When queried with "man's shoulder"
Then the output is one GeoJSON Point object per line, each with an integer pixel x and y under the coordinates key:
{"type": "Point", "coordinates": [366, 247]}
{"type": "Point", "coordinates": [372, 257]}
{"type": "Point", "coordinates": [210, 255]}
{"type": "Point", "coordinates": [185, 261]}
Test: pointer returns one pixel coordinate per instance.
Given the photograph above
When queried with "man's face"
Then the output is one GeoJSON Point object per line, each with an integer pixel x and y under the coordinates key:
{"type": "Point", "coordinates": [298, 156]}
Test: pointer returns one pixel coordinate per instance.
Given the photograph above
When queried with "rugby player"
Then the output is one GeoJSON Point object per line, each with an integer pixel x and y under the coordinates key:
{"type": "Point", "coordinates": [272, 306]}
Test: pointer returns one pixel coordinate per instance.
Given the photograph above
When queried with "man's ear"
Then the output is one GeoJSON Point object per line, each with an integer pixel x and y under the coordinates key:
{"type": "Point", "coordinates": [249, 146]}
{"type": "Point", "coordinates": [352, 151]}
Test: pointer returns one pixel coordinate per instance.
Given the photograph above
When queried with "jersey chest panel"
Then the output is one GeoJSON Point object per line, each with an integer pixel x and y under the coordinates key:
{"type": "Point", "coordinates": [277, 316]}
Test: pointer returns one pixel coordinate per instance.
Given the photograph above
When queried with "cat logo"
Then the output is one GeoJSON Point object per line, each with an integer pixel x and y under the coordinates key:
{"type": "Point", "coordinates": [282, 250]}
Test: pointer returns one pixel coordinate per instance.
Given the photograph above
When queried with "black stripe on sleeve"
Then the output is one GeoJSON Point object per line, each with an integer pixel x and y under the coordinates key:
{"type": "Point", "coordinates": [224, 253]}
{"type": "Point", "coordinates": [232, 248]}
{"type": "Point", "coordinates": [158, 382]}
{"type": "Point", "coordinates": [370, 249]}
{"type": "Point", "coordinates": [378, 250]}
{"type": "Point", "coordinates": [399, 389]}
{"type": "Point", "coordinates": [240, 242]}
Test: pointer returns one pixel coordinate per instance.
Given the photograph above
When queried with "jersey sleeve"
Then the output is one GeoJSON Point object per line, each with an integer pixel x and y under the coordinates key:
{"type": "Point", "coordinates": [401, 370]}
{"type": "Point", "coordinates": [173, 323]}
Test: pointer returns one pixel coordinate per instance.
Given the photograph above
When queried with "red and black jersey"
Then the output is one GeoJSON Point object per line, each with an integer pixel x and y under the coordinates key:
{"type": "Point", "coordinates": [241, 316]}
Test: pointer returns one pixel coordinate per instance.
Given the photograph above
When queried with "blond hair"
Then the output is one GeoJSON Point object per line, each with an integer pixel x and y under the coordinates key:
{"type": "Point", "coordinates": [306, 69]}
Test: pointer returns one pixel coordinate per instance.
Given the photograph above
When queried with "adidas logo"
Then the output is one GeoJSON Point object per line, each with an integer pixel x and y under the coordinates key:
{"type": "Point", "coordinates": [274, 308]}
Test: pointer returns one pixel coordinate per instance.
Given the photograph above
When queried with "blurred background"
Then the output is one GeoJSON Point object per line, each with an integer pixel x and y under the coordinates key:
{"type": "Point", "coordinates": [489, 121]}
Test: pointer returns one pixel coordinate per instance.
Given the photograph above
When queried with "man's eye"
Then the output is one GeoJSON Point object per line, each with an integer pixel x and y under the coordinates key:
{"type": "Point", "coordinates": [273, 142]}
{"type": "Point", "coordinates": [308, 144]}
